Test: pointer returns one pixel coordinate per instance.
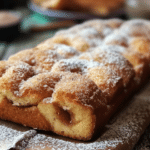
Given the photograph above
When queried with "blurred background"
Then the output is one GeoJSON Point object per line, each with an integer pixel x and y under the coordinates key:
{"type": "Point", "coordinates": [33, 16]}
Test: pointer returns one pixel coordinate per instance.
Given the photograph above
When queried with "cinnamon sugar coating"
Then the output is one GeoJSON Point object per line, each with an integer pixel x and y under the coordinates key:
{"type": "Point", "coordinates": [75, 80]}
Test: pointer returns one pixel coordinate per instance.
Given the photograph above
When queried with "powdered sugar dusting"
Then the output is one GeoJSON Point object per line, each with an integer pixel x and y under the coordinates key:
{"type": "Point", "coordinates": [74, 65]}
{"type": "Point", "coordinates": [48, 56]}
{"type": "Point", "coordinates": [100, 26]}
{"type": "Point", "coordinates": [65, 50]}
{"type": "Point", "coordinates": [137, 27]}
{"type": "Point", "coordinates": [122, 131]}
{"type": "Point", "coordinates": [88, 35]}
{"type": "Point", "coordinates": [110, 55]}
{"type": "Point", "coordinates": [20, 69]}
{"type": "Point", "coordinates": [46, 59]}
{"type": "Point", "coordinates": [89, 32]}
{"type": "Point", "coordinates": [117, 38]}
{"type": "Point", "coordinates": [144, 143]}
{"type": "Point", "coordinates": [41, 141]}
{"type": "Point", "coordinates": [14, 136]}
{"type": "Point", "coordinates": [47, 100]}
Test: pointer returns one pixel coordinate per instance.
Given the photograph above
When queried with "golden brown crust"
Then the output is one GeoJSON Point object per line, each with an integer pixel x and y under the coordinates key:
{"type": "Point", "coordinates": [72, 109]}
{"type": "Point", "coordinates": [73, 82]}
{"type": "Point", "coordinates": [28, 116]}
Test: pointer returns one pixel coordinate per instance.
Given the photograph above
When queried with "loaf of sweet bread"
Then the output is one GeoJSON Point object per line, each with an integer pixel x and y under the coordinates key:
{"type": "Point", "coordinates": [97, 7]}
{"type": "Point", "coordinates": [73, 83]}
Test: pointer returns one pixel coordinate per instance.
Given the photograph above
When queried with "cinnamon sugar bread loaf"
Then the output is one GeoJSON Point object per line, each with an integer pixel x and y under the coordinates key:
{"type": "Point", "coordinates": [73, 83]}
